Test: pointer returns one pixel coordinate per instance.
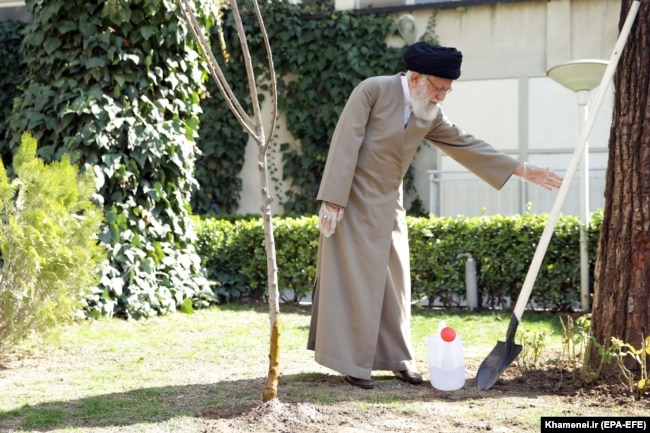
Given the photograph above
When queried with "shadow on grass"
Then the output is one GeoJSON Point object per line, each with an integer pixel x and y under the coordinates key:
{"type": "Point", "coordinates": [232, 399]}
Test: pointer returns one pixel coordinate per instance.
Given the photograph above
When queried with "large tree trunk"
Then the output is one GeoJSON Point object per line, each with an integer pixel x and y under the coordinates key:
{"type": "Point", "coordinates": [622, 273]}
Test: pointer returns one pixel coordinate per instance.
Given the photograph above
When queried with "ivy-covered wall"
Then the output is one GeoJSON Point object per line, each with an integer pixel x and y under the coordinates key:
{"type": "Point", "coordinates": [116, 85]}
{"type": "Point", "coordinates": [319, 56]}
{"type": "Point", "coordinates": [12, 70]}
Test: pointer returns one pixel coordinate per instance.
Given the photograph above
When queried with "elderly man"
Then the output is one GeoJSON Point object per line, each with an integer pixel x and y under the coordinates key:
{"type": "Point", "coordinates": [361, 309]}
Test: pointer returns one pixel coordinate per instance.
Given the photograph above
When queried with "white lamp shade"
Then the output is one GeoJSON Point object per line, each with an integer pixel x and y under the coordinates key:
{"type": "Point", "coordinates": [579, 74]}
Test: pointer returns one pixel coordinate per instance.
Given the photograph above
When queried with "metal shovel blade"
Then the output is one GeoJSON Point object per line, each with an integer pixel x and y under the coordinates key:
{"type": "Point", "coordinates": [499, 359]}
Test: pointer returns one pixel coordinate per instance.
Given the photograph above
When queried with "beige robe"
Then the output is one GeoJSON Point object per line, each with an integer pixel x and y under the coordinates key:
{"type": "Point", "coordinates": [361, 307]}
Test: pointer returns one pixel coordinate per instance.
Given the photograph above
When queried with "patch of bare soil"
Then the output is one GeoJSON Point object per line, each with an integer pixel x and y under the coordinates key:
{"type": "Point", "coordinates": [515, 403]}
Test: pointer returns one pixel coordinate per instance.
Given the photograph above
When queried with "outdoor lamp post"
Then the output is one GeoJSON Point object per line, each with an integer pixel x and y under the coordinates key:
{"type": "Point", "coordinates": [581, 76]}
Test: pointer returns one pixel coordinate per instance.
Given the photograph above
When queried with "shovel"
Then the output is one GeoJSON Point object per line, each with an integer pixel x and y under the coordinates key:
{"type": "Point", "coordinates": [505, 352]}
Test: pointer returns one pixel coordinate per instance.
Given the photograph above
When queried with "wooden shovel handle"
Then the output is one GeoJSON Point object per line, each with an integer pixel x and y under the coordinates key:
{"type": "Point", "coordinates": [535, 264]}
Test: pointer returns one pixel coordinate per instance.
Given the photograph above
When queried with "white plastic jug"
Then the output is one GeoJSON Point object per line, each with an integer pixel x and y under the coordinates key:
{"type": "Point", "coordinates": [446, 359]}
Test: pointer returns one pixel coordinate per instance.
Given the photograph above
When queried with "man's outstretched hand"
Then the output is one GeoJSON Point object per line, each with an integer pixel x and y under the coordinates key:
{"type": "Point", "coordinates": [542, 176]}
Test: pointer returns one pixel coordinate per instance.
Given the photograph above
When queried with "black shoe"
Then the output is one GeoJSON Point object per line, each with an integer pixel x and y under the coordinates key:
{"type": "Point", "coordinates": [409, 376]}
{"type": "Point", "coordinates": [361, 383]}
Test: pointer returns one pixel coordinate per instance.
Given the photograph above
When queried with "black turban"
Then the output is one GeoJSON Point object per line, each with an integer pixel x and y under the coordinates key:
{"type": "Point", "coordinates": [434, 60]}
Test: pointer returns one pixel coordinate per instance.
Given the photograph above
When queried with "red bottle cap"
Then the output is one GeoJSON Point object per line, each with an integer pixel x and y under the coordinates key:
{"type": "Point", "coordinates": [448, 334]}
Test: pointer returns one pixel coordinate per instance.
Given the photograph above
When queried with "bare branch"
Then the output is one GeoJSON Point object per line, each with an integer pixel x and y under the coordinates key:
{"type": "Point", "coordinates": [252, 86]}
{"type": "Point", "coordinates": [274, 89]}
{"type": "Point", "coordinates": [215, 70]}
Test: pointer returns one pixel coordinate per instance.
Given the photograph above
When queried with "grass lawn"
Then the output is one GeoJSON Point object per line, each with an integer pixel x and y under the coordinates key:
{"type": "Point", "coordinates": [205, 372]}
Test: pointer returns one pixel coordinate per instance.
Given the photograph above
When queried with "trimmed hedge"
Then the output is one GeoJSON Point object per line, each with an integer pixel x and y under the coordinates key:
{"type": "Point", "coordinates": [502, 246]}
{"type": "Point", "coordinates": [233, 254]}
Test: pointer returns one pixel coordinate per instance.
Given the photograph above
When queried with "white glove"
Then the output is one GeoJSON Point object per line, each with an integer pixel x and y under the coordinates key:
{"type": "Point", "coordinates": [542, 176]}
{"type": "Point", "coordinates": [328, 216]}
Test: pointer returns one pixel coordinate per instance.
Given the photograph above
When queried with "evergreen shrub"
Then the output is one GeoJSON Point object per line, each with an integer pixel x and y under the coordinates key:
{"type": "Point", "coordinates": [49, 243]}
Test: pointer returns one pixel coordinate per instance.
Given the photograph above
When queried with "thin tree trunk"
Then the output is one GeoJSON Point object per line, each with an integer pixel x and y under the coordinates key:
{"type": "Point", "coordinates": [622, 271]}
{"type": "Point", "coordinates": [255, 128]}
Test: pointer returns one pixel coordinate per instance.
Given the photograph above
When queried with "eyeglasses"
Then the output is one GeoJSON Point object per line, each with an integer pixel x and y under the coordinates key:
{"type": "Point", "coordinates": [440, 89]}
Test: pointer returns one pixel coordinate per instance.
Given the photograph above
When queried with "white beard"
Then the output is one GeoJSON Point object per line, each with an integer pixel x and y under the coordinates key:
{"type": "Point", "coordinates": [423, 107]}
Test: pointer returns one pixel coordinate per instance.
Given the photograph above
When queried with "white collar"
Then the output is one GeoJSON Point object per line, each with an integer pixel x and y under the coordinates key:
{"type": "Point", "coordinates": [408, 108]}
{"type": "Point", "coordinates": [405, 88]}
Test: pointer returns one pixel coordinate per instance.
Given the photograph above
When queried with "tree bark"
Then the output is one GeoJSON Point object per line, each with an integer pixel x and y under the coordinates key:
{"type": "Point", "coordinates": [622, 271]}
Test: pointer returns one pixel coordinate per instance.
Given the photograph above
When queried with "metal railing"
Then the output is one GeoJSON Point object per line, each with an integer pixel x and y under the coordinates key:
{"type": "Point", "coordinates": [453, 193]}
